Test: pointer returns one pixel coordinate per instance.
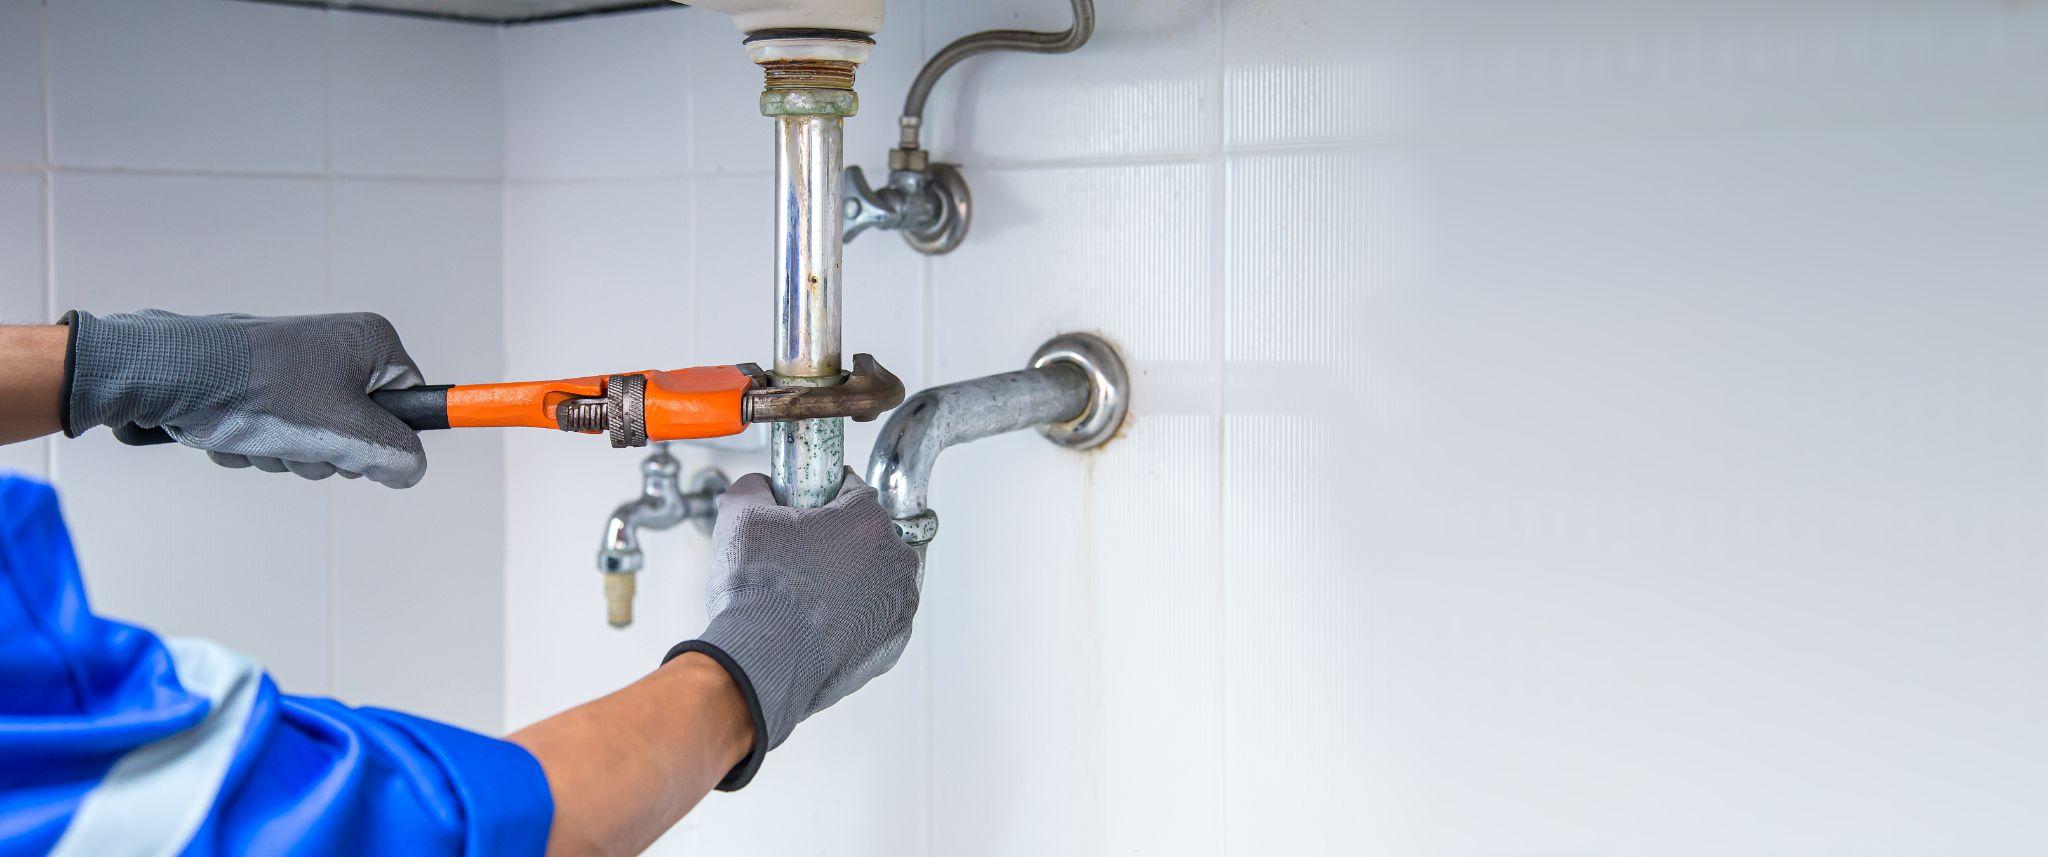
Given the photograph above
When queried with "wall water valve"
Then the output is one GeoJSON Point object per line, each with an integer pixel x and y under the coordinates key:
{"type": "Point", "coordinates": [925, 200]}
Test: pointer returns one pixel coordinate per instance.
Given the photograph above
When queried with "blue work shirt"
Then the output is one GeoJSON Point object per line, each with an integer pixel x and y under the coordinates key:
{"type": "Point", "coordinates": [113, 741]}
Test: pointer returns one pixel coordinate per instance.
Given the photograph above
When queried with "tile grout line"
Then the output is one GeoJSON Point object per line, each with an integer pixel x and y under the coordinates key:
{"type": "Point", "coordinates": [301, 175]}
{"type": "Point", "coordinates": [1219, 343]}
{"type": "Point", "coordinates": [693, 298]}
{"type": "Point", "coordinates": [504, 359]}
{"type": "Point", "coordinates": [332, 304]}
{"type": "Point", "coordinates": [1086, 162]}
{"type": "Point", "coordinates": [49, 177]}
{"type": "Point", "coordinates": [927, 289]}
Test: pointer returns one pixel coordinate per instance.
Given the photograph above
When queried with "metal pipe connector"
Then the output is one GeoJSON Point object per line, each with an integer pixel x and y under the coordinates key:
{"type": "Point", "coordinates": [1077, 386]}
{"type": "Point", "coordinates": [663, 503]}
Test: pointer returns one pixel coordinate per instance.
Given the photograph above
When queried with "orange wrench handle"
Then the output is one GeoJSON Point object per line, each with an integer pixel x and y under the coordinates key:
{"type": "Point", "coordinates": [705, 401]}
{"type": "Point", "coordinates": [516, 403]}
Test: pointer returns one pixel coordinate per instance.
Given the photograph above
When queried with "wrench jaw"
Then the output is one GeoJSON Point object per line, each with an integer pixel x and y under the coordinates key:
{"type": "Point", "coordinates": [862, 394]}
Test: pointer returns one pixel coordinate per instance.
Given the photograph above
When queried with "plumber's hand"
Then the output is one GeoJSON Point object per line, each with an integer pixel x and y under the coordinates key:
{"type": "Point", "coordinates": [280, 394]}
{"type": "Point", "coordinates": [808, 603]}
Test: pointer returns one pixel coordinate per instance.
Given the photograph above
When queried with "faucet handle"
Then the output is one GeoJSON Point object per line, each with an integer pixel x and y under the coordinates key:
{"type": "Point", "coordinates": [702, 498]}
{"type": "Point", "coordinates": [863, 207]}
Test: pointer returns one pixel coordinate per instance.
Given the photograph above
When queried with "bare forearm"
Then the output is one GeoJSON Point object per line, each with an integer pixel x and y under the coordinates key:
{"type": "Point", "coordinates": [32, 387]}
{"type": "Point", "coordinates": [626, 767]}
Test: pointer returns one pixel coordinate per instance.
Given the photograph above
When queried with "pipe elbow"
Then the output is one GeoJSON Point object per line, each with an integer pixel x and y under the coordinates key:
{"type": "Point", "coordinates": [900, 467]}
{"type": "Point", "coordinates": [1075, 393]}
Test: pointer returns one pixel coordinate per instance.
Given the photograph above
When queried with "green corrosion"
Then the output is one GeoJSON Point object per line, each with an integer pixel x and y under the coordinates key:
{"type": "Point", "coordinates": [809, 102]}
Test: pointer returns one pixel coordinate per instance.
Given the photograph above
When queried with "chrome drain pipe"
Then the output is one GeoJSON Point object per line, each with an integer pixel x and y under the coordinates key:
{"type": "Point", "coordinates": [1076, 393]}
{"type": "Point", "coordinates": [809, 93]}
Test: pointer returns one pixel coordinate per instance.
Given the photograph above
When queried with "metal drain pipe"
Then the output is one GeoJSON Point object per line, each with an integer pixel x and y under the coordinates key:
{"type": "Point", "coordinates": [809, 93]}
{"type": "Point", "coordinates": [1075, 393]}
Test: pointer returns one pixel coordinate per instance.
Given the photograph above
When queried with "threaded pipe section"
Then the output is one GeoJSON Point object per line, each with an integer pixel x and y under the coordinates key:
{"type": "Point", "coordinates": [786, 75]}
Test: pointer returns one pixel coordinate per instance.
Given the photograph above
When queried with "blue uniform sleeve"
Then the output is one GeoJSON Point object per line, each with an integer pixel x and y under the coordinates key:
{"type": "Point", "coordinates": [113, 740]}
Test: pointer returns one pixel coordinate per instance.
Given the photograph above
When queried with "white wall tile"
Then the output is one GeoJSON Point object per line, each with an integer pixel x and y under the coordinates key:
{"type": "Point", "coordinates": [419, 574]}
{"type": "Point", "coordinates": [413, 97]}
{"type": "Point", "coordinates": [733, 273]}
{"type": "Point", "coordinates": [1106, 561]}
{"type": "Point", "coordinates": [1574, 70]}
{"type": "Point", "coordinates": [21, 248]}
{"type": "Point", "coordinates": [599, 97]}
{"type": "Point", "coordinates": [22, 285]}
{"type": "Point", "coordinates": [1646, 439]}
{"type": "Point", "coordinates": [173, 542]}
{"type": "Point", "coordinates": [430, 257]}
{"type": "Point", "coordinates": [1305, 258]}
{"type": "Point", "coordinates": [236, 555]}
{"type": "Point", "coordinates": [198, 84]}
{"type": "Point", "coordinates": [190, 243]}
{"type": "Point", "coordinates": [1145, 84]}
{"type": "Point", "coordinates": [1014, 727]}
{"type": "Point", "coordinates": [30, 457]}
{"type": "Point", "coordinates": [1306, 261]}
{"type": "Point", "coordinates": [599, 276]}
{"type": "Point", "coordinates": [21, 82]}
{"type": "Point", "coordinates": [1126, 250]}
{"type": "Point", "coordinates": [1071, 601]}
{"type": "Point", "coordinates": [1300, 773]}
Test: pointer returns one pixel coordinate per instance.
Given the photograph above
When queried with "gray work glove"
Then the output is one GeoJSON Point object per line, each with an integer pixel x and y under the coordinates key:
{"type": "Point", "coordinates": [279, 394]}
{"type": "Point", "coordinates": [807, 605]}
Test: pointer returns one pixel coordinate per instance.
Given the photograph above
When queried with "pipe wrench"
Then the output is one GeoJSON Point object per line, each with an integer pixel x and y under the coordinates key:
{"type": "Point", "coordinates": [631, 408]}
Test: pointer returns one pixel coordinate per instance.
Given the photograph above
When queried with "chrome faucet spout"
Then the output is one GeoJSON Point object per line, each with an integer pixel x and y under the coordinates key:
{"type": "Point", "coordinates": [663, 503]}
